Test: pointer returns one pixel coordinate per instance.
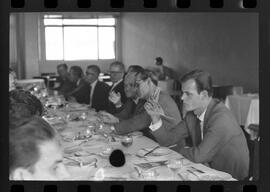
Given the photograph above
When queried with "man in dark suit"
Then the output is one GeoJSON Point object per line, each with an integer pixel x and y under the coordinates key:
{"type": "Point", "coordinates": [117, 71]}
{"type": "Point", "coordinates": [217, 139]}
{"type": "Point", "coordinates": [80, 93]}
{"type": "Point", "coordinates": [64, 82]}
{"type": "Point", "coordinates": [98, 91]}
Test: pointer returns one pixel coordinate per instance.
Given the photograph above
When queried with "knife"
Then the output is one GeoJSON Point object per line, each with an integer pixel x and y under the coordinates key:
{"type": "Point", "coordinates": [151, 150]}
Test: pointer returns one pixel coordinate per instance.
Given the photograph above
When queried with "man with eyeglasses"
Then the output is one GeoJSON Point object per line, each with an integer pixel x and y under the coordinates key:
{"type": "Point", "coordinates": [117, 96]}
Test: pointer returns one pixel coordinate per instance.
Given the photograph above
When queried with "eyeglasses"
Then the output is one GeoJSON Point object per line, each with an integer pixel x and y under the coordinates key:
{"type": "Point", "coordinates": [115, 72]}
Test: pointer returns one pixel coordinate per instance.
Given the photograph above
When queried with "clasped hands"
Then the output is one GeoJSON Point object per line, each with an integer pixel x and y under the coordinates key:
{"type": "Point", "coordinates": [154, 109]}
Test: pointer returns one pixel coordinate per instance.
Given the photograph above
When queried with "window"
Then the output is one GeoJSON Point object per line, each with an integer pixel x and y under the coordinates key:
{"type": "Point", "coordinates": [79, 39]}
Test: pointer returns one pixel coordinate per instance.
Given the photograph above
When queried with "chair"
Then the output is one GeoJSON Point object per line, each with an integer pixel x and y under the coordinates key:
{"type": "Point", "coordinates": [221, 92]}
{"type": "Point", "coordinates": [254, 153]}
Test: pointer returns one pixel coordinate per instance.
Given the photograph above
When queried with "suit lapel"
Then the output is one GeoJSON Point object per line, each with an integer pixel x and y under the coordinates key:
{"type": "Point", "coordinates": [193, 124]}
{"type": "Point", "coordinates": [208, 113]}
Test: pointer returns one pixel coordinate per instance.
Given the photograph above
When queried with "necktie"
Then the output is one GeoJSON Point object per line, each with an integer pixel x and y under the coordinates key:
{"type": "Point", "coordinates": [198, 132]}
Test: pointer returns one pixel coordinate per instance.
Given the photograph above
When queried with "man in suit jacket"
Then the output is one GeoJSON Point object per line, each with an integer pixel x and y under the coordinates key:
{"type": "Point", "coordinates": [117, 71]}
{"type": "Point", "coordinates": [140, 120]}
{"type": "Point", "coordinates": [217, 139]}
{"type": "Point", "coordinates": [80, 93]}
{"type": "Point", "coordinates": [64, 80]}
{"type": "Point", "coordinates": [98, 91]}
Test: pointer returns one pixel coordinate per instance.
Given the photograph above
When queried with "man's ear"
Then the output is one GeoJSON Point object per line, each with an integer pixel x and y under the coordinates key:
{"type": "Point", "coordinates": [20, 174]}
{"type": "Point", "coordinates": [204, 93]}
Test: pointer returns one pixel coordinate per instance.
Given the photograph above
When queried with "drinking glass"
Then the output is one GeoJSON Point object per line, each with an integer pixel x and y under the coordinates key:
{"type": "Point", "coordinates": [127, 141]}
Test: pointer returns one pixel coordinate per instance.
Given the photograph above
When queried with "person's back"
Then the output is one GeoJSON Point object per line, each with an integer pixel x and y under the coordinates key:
{"type": "Point", "coordinates": [233, 154]}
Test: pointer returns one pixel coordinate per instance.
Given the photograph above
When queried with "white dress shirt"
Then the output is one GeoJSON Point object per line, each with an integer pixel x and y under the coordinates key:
{"type": "Point", "coordinates": [115, 84]}
{"type": "Point", "coordinates": [93, 85]}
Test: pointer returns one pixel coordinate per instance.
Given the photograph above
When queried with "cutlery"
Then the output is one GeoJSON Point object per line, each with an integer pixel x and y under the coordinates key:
{"type": "Point", "coordinates": [193, 173]}
{"type": "Point", "coordinates": [152, 150]}
{"type": "Point", "coordinates": [195, 169]}
{"type": "Point", "coordinates": [138, 171]}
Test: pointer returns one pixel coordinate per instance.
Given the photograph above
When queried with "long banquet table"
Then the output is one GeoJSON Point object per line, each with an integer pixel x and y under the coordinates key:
{"type": "Point", "coordinates": [88, 159]}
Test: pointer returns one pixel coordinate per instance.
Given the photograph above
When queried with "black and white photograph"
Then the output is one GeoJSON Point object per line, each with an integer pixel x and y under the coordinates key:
{"type": "Point", "coordinates": [134, 96]}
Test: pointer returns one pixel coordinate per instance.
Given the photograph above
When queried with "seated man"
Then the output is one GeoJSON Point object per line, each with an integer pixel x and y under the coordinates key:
{"type": "Point", "coordinates": [216, 137]}
{"type": "Point", "coordinates": [64, 81]}
{"type": "Point", "coordinates": [22, 104]}
{"type": "Point", "coordinates": [117, 71]}
{"type": "Point", "coordinates": [34, 153]}
{"type": "Point", "coordinates": [98, 91]}
{"type": "Point", "coordinates": [79, 93]}
{"type": "Point", "coordinates": [140, 120]}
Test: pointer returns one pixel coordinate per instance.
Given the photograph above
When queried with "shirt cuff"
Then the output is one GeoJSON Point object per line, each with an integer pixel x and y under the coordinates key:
{"type": "Point", "coordinates": [155, 126]}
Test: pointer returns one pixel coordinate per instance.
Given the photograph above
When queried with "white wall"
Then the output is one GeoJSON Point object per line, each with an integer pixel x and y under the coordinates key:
{"type": "Point", "coordinates": [225, 44]}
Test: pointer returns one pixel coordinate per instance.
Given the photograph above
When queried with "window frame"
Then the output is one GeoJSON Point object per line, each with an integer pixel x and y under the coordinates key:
{"type": "Point", "coordinates": [42, 43]}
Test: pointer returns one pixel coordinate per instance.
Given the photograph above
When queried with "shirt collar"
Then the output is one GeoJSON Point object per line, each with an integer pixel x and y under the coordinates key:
{"type": "Point", "coordinates": [78, 82]}
{"type": "Point", "coordinates": [94, 83]}
{"type": "Point", "coordinates": [201, 117]}
{"type": "Point", "coordinates": [117, 82]}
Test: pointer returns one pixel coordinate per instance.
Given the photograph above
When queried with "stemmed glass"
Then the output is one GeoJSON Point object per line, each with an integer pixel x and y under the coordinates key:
{"type": "Point", "coordinates": [175, 165]}
{"type": "Point", "coordinates": [83, 117]}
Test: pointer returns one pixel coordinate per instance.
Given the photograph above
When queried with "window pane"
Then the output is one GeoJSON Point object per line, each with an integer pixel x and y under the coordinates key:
{"type": "Point", "coordinates": [106, 42]}
{"type": "Point", "coordinates": [52, 16]}
{"type": "Point", "coordinates": [54, 43]}
{"type": "Point", "coordinates": [80, 21]}
{"type": "Point", "coordinates": [53, 21]}
{"type": "Point", "coordinates": [106, 21]}
{"type": "Point", "coordinates": [80, 43]}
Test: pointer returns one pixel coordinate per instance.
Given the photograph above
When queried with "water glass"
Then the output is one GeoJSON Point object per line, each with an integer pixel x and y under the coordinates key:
{"type": "Point", "coordinates": [127, 141]}
{"type": "Point", "coordinates": [149, 174]}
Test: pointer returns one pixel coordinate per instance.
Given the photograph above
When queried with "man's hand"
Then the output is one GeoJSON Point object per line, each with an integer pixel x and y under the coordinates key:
{"type": "Point", "coordinates": [115, 98]}
{"type": "Point", "coordinates": [154, 109]}
{"type": "Point", "coordinates": [107, 117]}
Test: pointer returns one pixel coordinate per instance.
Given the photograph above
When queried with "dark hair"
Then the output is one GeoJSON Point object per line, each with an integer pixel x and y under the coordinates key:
{"type": "Point", "coordinates": [120, 64]}
{"type": "Point", "coordinates": [95, 68]}
{"type": "Point", "coordinates": [202, 79]}
{"type": "Point", "coordinates": [146, 73]}
{"type": "Point", "coordinates": [135, 68]}
{"type": "Point", "coordinates": [24, 141]}
{"type": "Point", "coordinates": [77, 70]}
{"type": "Point", "coordinates": [159, 60]}
{"type": "Point", "coordinates": [23, 104]}
{"type": "Point", "coordinates": [62, 65]}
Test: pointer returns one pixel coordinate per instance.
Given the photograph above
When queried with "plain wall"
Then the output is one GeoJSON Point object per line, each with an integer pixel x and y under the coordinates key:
{"type": "Point", "coordinates": [225, 44]}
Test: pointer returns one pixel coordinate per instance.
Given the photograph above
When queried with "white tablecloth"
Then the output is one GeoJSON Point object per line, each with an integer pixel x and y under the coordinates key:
{"type": "Point", "coordinates": [24, 83]}
{"type": "Point", "coordinates": [245, 108]}
{"type": "Point", "coordinates": [97, 144]}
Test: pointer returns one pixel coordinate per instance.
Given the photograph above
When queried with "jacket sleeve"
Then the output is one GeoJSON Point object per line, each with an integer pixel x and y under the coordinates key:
{"type": "Point", "coordinates": [135, 123]}
{"type": "Point", "coordinates": [125, 111]}
{"type": "Point", "coordinates": [175, 135]}
{"type": "Point", "coordinates": [214, 138]}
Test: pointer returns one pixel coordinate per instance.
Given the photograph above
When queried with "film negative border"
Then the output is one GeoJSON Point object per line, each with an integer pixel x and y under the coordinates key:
{"type": "Point", "coordinates": [54, 5]}
{"type": "Point", "coordinates": [145, 6]}
{"type": "Point", "coordinates": [146, 3]}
